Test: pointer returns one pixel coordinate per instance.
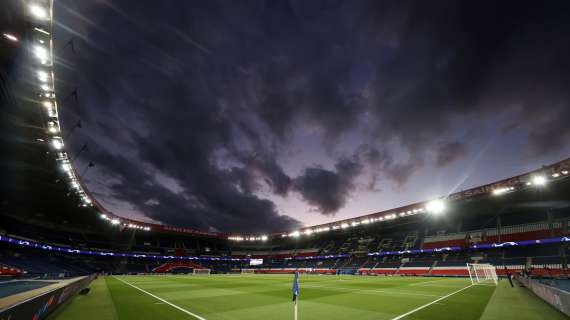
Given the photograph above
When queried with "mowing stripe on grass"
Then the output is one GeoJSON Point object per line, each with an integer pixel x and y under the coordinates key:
{"type": "Point", "coordinates": [159, 298]}
{"type": "Point", "coordinates": [430, 303]}
{"type": "Point", "coordinates": [389, 292]}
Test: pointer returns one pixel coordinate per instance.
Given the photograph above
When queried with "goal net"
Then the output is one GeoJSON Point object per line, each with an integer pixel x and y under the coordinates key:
{"type": "Point", "coordinates": [201, 271]}
{"type": "Point", "coordinates": [247, 271]}
{"type": "Point", "coordinates": [481, 273]}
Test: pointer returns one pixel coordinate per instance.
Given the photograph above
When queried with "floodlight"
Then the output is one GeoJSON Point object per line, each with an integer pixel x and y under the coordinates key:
{"type": "Point", "coordinates": [344, 225]}
{"type": "Point", "coordinates": [38, 12]}
{"type": "Point", "coordinates": [10, 37]}
{"type": "Point", "coordinates": [41, 53]}
{"type": "Point", "coordinates": [264, 238]}
{"type": "Point", "coordinates": [115, 221]}
{"type": "Point", "coordinates": [294, 234]}
{"type": "Point", "coordinates": [539, 180]}
{"type": "Point", "coordinates": [435, 206]}
{"type": "Point", "coordinates": [43, 76]}
{"type": "Point", "coordinates": [57, 144]}
{"type": "Point", "coordinates": [103, 216]}
{"type": "Point", "coordinates": [564, 172]}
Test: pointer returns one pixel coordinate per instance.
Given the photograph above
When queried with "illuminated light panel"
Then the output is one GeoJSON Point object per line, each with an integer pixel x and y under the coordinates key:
{"type": "Point", "coordinates": [43, 76]}
{"type": "Point", "coordinates": [41, 53]}
{"type": "Point", "coordinates": [539, 180]}
{"type": "Point", "coordinates": [57, 144]}
{"type": "Point", "coordinates": [294, 234]}
{"type": "Point", "coordinates": [435, 206]}
{"type": "Point", "coordinates": [38, 12]}
{"type": "Point", "coordinates": [10, 37]}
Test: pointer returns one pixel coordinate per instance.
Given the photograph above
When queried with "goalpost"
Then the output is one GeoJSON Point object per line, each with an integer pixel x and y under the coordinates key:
{"type": "Point", "coordinates": [201, 271]}
{"type": "Point", "coordinates": [481, 273]}
{"type": "Point", "coordinates": [247, 271]}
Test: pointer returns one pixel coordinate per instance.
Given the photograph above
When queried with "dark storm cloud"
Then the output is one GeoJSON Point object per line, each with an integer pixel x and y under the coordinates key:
{"type": "Point", "coordinates": [210, 93]}
{"type": "Point", "coordinates": [328, 190]}
{"type": "Point", "coordinates": [448, 152]}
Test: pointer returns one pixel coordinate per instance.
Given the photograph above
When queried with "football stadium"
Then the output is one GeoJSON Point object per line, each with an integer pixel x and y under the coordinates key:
{"type": "Point", "coordinates": [496, 250]}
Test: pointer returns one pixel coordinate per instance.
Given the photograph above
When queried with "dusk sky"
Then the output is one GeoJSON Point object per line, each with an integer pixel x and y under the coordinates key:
{"type": "Point", "coordinates": [257, 116]}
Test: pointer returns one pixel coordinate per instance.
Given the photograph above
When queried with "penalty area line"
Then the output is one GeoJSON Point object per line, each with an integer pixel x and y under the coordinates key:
{"type": "Point", "coordinates": [162, 300]}
{"type": "Point", "coordinates": [430, 303]}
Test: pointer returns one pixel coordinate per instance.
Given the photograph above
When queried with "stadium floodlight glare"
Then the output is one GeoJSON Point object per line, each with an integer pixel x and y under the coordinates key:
{"type": "Point", "coordinates": [264, 238]}
{"type": "Point", "coordinates": [115, 221]}
{"type": "Point", "coordinates": [294, 234]}
{"type": "Point", "coordinates": [38, 12]}
{"type": "Point", "coordinates": [344, 225]}
{"type": "Point", "coordinates": [564, 172]}
{"type": "Point", "coordinates": [57, 144]}
{"type": "Point", "coordinates": [539, 180]}
{"type": "Point", "coordinates": [103, 216]}
{"type": "Point", "coordinates": [10, 37]}
{"type": "Point", "coordinates": [500, 191]}
{"type": "Point", "coordinates": [66, 167]}
{"type": "Point", "coordinates": [556, 175]}
{"type": "Point", "coordinates": [43, 76]}
{"type": "Point", "coordinates": [41, 53]}
{"type": "Point", "coordinates": [435, 206]}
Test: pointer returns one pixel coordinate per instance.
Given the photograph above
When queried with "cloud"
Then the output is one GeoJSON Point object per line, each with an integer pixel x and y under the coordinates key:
{"type": "Point", "coordinates": [449, 152]}
{"type": "Point", "coordinates": [216, 106]}
{"type": "Point", "coordinates": [328, 190]}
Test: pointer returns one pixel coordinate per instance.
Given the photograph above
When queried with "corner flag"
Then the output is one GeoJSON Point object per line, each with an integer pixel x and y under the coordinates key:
{"type": "Point", "coordinates": [295, 287]}
{"type": "Point", "coordinates": [295, 293]}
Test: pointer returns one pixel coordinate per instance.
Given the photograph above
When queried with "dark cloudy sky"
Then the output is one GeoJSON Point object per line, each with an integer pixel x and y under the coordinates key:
{"type": "Point", "coordinates": [266, 115]}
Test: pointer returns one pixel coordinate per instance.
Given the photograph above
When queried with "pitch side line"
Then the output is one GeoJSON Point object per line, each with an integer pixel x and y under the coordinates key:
{"type": "Point", "coordinates": [430, 303]}
{"type": "Point", "coordinates": [162, 300]}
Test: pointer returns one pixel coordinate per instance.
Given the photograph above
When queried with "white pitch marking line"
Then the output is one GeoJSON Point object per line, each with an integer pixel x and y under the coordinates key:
{"type": "Point", "coordinates": [430, 303]}
{"type": "Point", "coordinates": [159, 298]}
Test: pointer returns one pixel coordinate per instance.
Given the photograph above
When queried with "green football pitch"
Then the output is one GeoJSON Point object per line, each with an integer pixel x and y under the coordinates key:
{"type": "Point", "coordinates": [216, 297]}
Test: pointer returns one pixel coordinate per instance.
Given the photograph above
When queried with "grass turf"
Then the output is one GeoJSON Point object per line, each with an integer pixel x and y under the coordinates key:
{"type": "Point", "coordinates": [219, 297]}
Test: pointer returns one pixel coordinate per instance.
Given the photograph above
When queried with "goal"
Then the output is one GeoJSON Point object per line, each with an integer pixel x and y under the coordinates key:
{"type": "Point", "coordinates": [482, 273]}
{"type": "Point", "coordinates": [247, 271]}
{"type": "Point", "coordinates": [201, 271]}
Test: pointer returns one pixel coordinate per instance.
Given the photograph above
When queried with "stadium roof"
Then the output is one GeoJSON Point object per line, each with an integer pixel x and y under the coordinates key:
{"type": "Point", "coordinates": [40, 182]}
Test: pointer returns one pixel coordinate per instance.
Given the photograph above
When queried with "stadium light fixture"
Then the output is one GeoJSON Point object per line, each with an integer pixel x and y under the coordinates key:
{"type": "Point", "coordinates": [264, 238]}
{"type": "Point", "coordinates": [564, 172]}
{"type": "Point", "coordinates": [43, 76]}
{"type": "Point", "coordinates": [103, 216]}
{"type": "Point", "coordinates": [10, 37]}
{"type": "Point", "coordinates": [344, 225]}
{"type": "Point", "coordinates": [115, 221]}
{"type": "Point", "coordinates": [57, 144]}
{"type": "Point", "coordinates": [294, 234]}
{"type": "Point", "coordinates": [539, 180]}
{"type": "Point", "coordinates": [41, 53]}
{"type": "Point", "coordinates": [38, 12]}
{"type": "Point", "coordinates": [556, 175]}
{"type": "Point", "coordinates": [435, 206]}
